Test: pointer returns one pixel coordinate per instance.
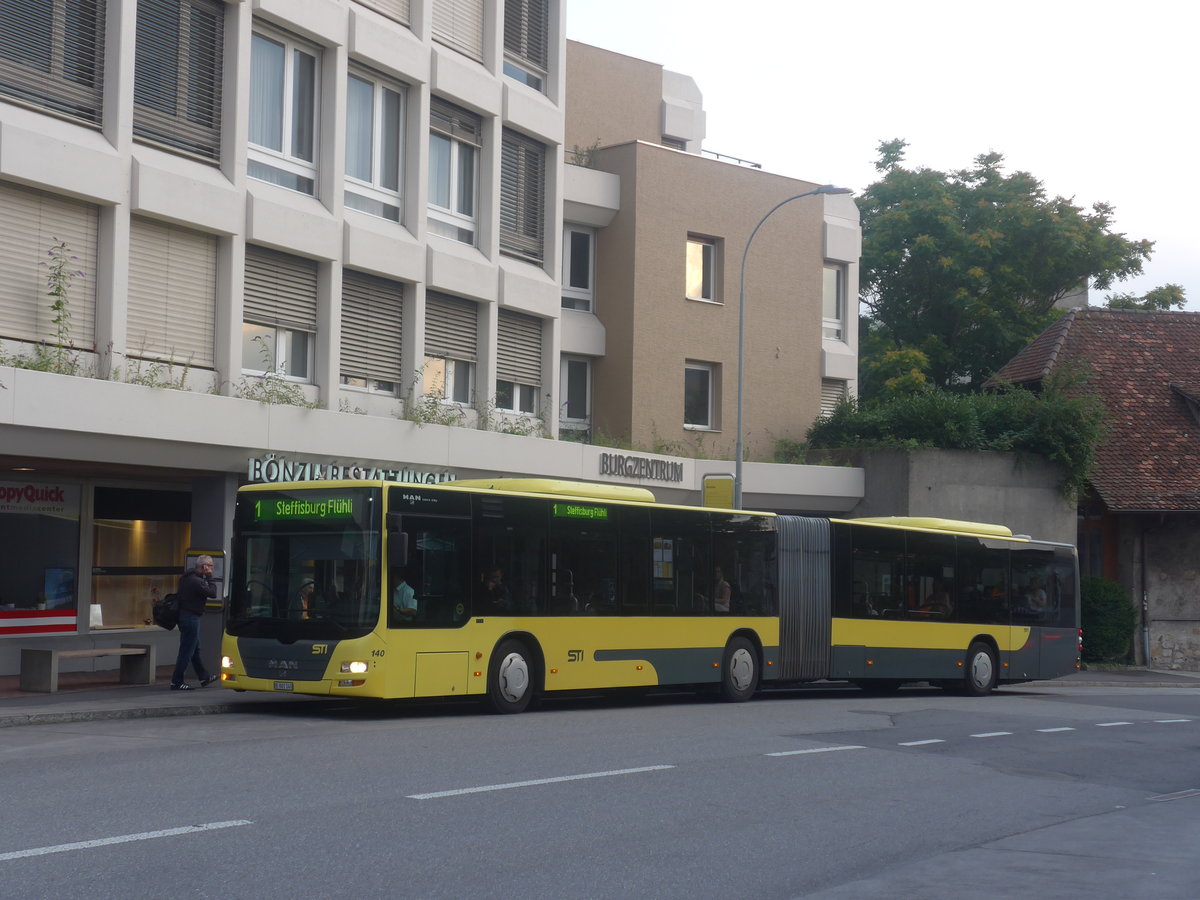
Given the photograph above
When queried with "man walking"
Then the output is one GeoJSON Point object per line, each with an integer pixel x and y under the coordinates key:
{"type": "Point", "coordinates": [196, 588]}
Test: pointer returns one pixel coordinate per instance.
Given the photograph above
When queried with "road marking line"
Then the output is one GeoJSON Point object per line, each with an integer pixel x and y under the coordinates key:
{"type": "Point", "coordinates": [1053, 730]}
{"type": "Point", "coordinates": [817, 750]}
{"type": "Point", "coordinates": [1111, 724]}
{"type": "Point", "coordinates": [987, 734]}
{"type": "Point", "coordinates": [434, 795]}
{"type": "Point", "coordinates": [1178, 795]}
{"type": "Point", "coordinates": [920, 743]}
{"type": "Point", "coordinates": [1167, 721]}
{"type": "Point", "coordinates": [122, 839]}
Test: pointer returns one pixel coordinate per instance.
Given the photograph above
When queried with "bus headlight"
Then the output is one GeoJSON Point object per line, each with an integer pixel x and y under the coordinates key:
{"type": "Point", "coordinates": [226, 662]}
{"type": "Point", "coordinates": [356, 667]}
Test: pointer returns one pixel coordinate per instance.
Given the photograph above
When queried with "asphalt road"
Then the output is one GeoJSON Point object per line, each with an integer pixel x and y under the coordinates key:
{"type": "Point", "coordinates": [1033, 792]}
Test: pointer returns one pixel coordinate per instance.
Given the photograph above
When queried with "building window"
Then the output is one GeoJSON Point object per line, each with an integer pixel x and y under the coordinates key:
{"type": "Point", "coordinates": [518, 361]}
{"type": "Point", "coordinates": [279, 315]}
{"type": "Point", "coordinates": [454, 142]}
{"type": "Point", "coordinates": [284, 75]}
{"type": "Point", "coordinates": [526, 37]}
{"type": "Point", "coordinates": [458, 24]}
{"type": "Point", "coordinates": [32, 222]}
{"type": "Point", "coordinates": [833, 303]}
{"type": "Point", "coordinates": [449, 379]}
{"type": "Point", "coordinates": [172, 293]}
{"type": "Point", "coordinates": [701, 269]}
{"type": "Point", "coordinates": [699, 395]}
{"type": "Point", "coordinates": [372, 310]}
{"type": "Point", "coordinates": [177, 74]}
{"type": "Point", "coordinates": [511, 396]}
{"type": "Point", "coordinates": [52, 55]}
{"type": "Point", "coordinates": [579, 270]}
{"type": "Point", "coordinates": [522, 196]}
{"type": "Point", "coordinates": [451, 342]}
{"type": "Point", "coordinates": [374, 145]}
{"type": "Point", "coordinates": [575, 392]}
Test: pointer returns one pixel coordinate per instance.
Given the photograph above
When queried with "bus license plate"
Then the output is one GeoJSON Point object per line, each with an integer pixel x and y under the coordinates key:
{"type": "Point", "coordinates": [283, 686]}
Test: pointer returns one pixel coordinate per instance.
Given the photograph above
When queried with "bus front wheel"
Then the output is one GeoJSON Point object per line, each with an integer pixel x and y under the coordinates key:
{"type": "Point", "coordinates": [739, 671]}
{"type": "Point", "coordinates": [510, 678]}
{"type": "Point", "coordinates": [981, 673]}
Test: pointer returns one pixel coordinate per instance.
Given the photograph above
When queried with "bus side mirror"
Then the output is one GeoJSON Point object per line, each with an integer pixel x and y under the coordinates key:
{"type": "Point", "coordinates": [397, 552]}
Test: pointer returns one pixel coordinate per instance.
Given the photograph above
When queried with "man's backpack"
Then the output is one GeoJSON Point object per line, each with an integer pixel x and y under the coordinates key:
{"type": "Point", "coordinates": [166, 611]}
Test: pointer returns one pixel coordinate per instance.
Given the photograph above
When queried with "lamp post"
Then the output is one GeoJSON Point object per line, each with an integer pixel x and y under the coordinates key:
{"type": "Point", "coordinates": [741, 372]}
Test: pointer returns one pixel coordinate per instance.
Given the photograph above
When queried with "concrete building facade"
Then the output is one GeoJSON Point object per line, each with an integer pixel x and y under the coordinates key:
{"type": "Point", "coordinates": [326, 239]}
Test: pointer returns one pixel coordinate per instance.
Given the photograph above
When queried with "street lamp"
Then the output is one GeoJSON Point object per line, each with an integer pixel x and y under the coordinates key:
{"type": "Point", "coordinates": [739, 451]}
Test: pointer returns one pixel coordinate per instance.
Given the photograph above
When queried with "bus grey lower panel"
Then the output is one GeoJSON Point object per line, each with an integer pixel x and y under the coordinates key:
{"type": "Point", "coordinates": [805, 604]}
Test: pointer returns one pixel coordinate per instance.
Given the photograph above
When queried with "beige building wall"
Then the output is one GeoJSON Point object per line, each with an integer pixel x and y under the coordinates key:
{"type": "Point", "coordinates": [624, 104]}
{"type": "Point", "coordinates": [653, 330]}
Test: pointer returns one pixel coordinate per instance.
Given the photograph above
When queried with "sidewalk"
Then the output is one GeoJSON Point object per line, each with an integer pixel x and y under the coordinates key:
{"type": "Point", "coordinates": [90, 696]}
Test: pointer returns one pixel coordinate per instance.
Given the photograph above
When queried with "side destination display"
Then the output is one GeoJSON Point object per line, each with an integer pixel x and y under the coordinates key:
{"type": "Point", "coordinates": [289, 510]}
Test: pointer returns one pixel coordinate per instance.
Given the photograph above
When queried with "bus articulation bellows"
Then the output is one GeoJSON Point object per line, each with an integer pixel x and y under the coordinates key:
{"type": "Point", "coordinates": [508, 589]}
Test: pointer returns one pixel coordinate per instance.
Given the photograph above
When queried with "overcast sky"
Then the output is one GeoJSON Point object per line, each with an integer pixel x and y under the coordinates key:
{"type": "Point", "coordinates": [1097, 99]}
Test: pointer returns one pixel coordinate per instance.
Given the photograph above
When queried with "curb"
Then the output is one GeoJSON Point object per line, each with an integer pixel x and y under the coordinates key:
{"type": "Point", "coordinates": [98, 715]}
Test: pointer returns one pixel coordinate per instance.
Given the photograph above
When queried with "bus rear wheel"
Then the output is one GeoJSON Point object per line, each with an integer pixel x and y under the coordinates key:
{"type": "Point", "coordinates": [510, 678]}
{"type": "Point", "coordinates": [981, 673]}
{"type": "Point", "coordinates": [739, 671]}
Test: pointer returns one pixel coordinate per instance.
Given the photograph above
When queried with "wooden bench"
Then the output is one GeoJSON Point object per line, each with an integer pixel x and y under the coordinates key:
{"type": "Point", "coordinates": [39, 667]}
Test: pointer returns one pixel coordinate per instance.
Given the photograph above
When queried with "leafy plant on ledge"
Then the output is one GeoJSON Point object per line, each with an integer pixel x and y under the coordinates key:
{"type": "Point", "coordinates": [59, 355]}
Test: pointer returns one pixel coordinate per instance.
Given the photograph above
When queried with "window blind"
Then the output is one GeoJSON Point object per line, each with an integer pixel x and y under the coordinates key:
{"type": "Point", "coordinates": [177, 74]}
{"type": "Point", "coordinates": [833, 392]}
{"type": "Point", "coordinates": [455, 121]}
{"type": "Point", "coordinates": [451, 328]}
{"type": "Point", "coordinates": [393, 9]}
{"type": "Point", "coordinates": [52, 55]}
{"type": "Point", "coordinates": [525, 31]}
{"type": "Point", "coordinates": [522, 196]}
{"type": "Point", "coordinates": [458, 24]}
{"type": "Point", "coordinates": [519, 348]}
{"type": "Point", "coordinates": [281, 289]}
{"type": "Point", "coordinates": [172, 293]}
{"type": "Point", "coordinates": [372, 308]}
{"type": "Point", "coordinates": [32, 222]}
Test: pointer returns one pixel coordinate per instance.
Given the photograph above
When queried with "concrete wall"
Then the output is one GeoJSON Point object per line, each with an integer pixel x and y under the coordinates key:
{"type": "Point", "coordinates": [1159, 561]}
{"type": "Point", "coordinates": [998, 488]}
{"type": "Point", "coordinates": [611, 98]}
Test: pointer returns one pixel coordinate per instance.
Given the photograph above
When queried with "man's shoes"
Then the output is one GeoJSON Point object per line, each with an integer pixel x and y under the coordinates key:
{"type": "Point", "coordinates": [182, 687]}
{"type": "Point", "coordinates": [205, 682]}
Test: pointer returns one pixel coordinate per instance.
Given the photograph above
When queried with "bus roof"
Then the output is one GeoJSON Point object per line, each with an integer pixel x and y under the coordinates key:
{"type": "Point", "coordinates": [553, 487]}
{"type": "Point", "coordinates": [933, 524]}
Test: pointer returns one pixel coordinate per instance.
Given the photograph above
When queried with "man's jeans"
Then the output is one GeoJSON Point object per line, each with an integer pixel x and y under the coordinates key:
{"type": "Point", "coordinates": [189, 649]}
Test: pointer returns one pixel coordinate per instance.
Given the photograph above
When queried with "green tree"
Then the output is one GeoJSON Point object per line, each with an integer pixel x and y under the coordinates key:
{"type": "Point", "coordinates": [1163, 297]}
{"type": "Point", "coordinates": [966, 266]}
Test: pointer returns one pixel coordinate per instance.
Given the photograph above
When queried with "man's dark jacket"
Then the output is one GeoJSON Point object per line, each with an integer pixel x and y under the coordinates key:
{"type": "Point", "coordinates": [194, 591]}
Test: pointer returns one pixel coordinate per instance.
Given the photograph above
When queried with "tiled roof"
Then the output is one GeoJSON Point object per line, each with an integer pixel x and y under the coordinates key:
{"type": "Point", "coordinates": [1146, 367]}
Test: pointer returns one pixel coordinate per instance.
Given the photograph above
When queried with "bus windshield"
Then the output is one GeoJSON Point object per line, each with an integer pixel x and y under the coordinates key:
{"type": "Point", "coordinates": [305, 565]}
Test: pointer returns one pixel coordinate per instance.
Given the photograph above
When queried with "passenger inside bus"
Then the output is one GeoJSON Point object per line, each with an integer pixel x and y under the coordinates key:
{"type": "Point", "coordinates": [937, 602]}
{"type": "Point", "coordinates": [495, 596]}
{"type": "Point", "coordinates": [404, 599]}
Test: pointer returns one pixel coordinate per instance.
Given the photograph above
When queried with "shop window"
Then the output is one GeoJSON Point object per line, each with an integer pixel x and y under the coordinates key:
{"type": "Point", "coordinates": [140, 539]}
{"type": "Point", "coordinates": [39, 531]}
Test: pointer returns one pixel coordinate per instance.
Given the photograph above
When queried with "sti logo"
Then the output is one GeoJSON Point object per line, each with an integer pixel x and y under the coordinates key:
{"type": "Point", "coordinates": [574, 656]}
{"type": "Point", "coordinates": [320, 649]}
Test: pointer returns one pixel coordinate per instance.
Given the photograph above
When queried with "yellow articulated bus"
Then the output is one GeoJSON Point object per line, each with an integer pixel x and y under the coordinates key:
{"type": "Point", "coordinates": [510, 589]}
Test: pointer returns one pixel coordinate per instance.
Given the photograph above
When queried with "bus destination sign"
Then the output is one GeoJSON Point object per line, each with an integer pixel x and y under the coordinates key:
{"type": "Point", "coordinates": [303, 510]}
{"type": "Point", "coordinates": [580, 511]}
